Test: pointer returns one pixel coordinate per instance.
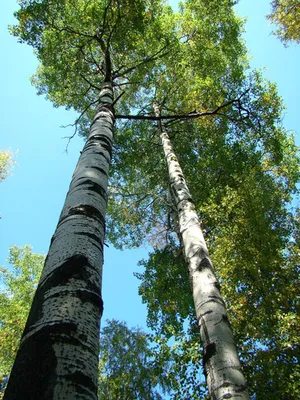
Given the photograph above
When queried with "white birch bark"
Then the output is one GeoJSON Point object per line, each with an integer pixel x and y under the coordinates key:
{"type": "Point", "coordinates": [58, 355]}
{"type": "Point", "coordinates": [220, 359]}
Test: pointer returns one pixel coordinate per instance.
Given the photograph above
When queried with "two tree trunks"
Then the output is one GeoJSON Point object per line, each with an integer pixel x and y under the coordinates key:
{"type": "Point", "coordinates": [58, 355]}
{"type": "Point", "coordinates": [220, 359]}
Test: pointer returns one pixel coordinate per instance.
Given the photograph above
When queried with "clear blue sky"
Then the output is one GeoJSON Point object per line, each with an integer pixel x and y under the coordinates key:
{"type": "Point", "coordinates": [31, 199]}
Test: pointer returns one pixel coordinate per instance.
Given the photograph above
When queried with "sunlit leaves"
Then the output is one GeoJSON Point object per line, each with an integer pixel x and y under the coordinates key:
{"type": "Point", "coordinates": [71, 39]}
{"type": "Point", "coordinates": [286, 16]}
{"type": "Point", "coordinates": [6, 163]}
{"type": "Point", "coordinates": [164, 278]}
{"type": "Point", "coordinates": [18, 283]}
{"type": "Point", "coordinates": [240, 165]}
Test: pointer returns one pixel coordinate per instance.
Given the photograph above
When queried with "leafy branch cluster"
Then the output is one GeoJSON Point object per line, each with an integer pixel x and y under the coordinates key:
{"type": "Point", "coordinates": [241, 166]}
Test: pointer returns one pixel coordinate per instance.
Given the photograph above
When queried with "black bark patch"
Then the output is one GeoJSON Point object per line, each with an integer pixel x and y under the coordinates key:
{"type": "Point", "coordinates": [84, 295]}
{"type": "Point", "coordinates": [237, 389]}
{"type": "Point", "coordinates": [38, 382]}
{"type": "Point", "coordinates": [76, 267]}
{"type": "Point", "coordinates": [107, 145]}
{"type": "Point", "coordinates": [101, 170]}
{"type": "Point", "coordinates": [217, 286]}
{"type": "Point", "coordinates": [230, 396]}
{"type": "Point", "coordinates": [104, 141]}
{"type": "Point", "coordinates": [95, 187]}
{"type": "Point", "coordinates": [91, 297]}
{"type": "Point", "coordinates": [81, 382]}
{"type": "Point", "coordinates": [99, 151]}
{"type": "Point", "coordinates": [209, 351]}
{"type": "Point", "coordinates": [92, 236]}
{"type": "Point", "coordinates": [88, 211]}
{"type": "Point", "coordinates": [205, 263]}
{"type": "Point", "coordinates": [226, 320]}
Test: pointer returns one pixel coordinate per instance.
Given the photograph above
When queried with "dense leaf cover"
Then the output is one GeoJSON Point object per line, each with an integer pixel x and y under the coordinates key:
{"type": "Point", "coordinates": [240, 164]}
{"type": "Point", "coordinates": [128, 366]}
{"type": "Point", "coordinates": [286, 16]}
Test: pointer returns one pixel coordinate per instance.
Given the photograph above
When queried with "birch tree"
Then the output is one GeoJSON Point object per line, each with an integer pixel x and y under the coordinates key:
{"type": "Point", "coordinates": [127, 368]}
{"type": "Point", "coordinates": [58, 354]}
{"type": "Point", "coordinates": [220, 358]}
{"type": "Point", "coordinates": [234, 159]}
{"type": "Point", "coordinates": [194, 70]}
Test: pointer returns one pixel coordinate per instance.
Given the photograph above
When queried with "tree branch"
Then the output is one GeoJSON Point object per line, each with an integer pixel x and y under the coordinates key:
{"type": "Point", "coordinates": [91, 85]}
{"type": "Point", "coordinates": [190, 115]}
{"type": "Point", "coordinates": [155, 56]}
{"type": "Point", "coordinates": [76, 123]}
{"type": "Point", "coordinates": [106, 53]}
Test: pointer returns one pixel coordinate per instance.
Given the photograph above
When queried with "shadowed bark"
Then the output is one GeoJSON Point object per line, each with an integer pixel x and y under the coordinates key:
{"type": "Point", "coordinates": [58, 354]}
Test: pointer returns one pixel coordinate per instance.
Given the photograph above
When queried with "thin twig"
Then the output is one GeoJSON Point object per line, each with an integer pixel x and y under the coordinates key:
{"type": "Point", "coordinates": [76, 124]}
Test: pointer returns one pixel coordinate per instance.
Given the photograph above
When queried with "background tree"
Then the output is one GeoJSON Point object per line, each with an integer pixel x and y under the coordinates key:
{"type": "Point", "coordinates": [286, 16]}
{"type": "Point", "coordinates": [246, 170]}
{"type": "Point", "coordinates": [6, 162]}
{"type": "Point", "coordinates": [18, 284]}
{"type": "Point", "coordinates": [129, 368]}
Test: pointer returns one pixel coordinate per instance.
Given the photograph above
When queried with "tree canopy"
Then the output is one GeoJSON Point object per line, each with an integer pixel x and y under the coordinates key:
{"type": "Point", "coordinates": [286, 16]}
{"type": "Point", "coordinates": [225, 125]}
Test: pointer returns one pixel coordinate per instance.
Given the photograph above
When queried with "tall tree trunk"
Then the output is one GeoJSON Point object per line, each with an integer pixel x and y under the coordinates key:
{"type": "Point", "coordinates": [58, 355]}
{"type": "Point", "coordinates": [220, 358]}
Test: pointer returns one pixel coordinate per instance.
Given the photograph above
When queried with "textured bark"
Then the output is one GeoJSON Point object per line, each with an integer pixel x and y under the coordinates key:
{"type": "Point", "coordinates": [220, 359]}
{"type": "Point", "coordinates": [58, 355]}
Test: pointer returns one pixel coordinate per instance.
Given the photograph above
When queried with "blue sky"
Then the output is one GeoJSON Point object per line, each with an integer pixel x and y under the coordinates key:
{"type": "Point", "coordinates": [32, 197]}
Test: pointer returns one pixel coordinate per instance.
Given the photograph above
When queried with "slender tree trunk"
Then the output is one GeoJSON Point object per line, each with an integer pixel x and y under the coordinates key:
{"type": "Point", "coordinates": [220, 358]}
{"type": "Point", "coordinates": [58, 355]}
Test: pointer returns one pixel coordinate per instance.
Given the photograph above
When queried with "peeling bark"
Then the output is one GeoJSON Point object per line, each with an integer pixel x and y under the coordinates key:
{"type": "Point", "coordinates": [58, 354]}
{"type": "Point", "coordinates": [220, 359]}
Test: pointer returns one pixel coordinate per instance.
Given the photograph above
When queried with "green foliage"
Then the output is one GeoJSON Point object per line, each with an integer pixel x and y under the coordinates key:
{"type": "Point", "coordinates": [286, 15]}
{"type": "Point", "coordinates": [72, 40]}
{"type": "Point", "coordinates": [240, 165]}
{"type": "Point", "coordinates": [242, 175]}
{"type": "Point", "coordinates": [133, 364]}
{"type": "Point", "coordinates": [136, 365]}
{"type": "Point", "coordinates": [18, 283]}
{"type": "Point", "coordinates": [6, 163]}
{"type": "Point", "coordinates": [165, 276]}
{"type": "Point", "coordinates": [128, 369]}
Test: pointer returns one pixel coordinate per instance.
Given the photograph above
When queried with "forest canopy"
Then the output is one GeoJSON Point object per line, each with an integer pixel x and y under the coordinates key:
{"type": "Point", "coordinates": [198, 147]}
